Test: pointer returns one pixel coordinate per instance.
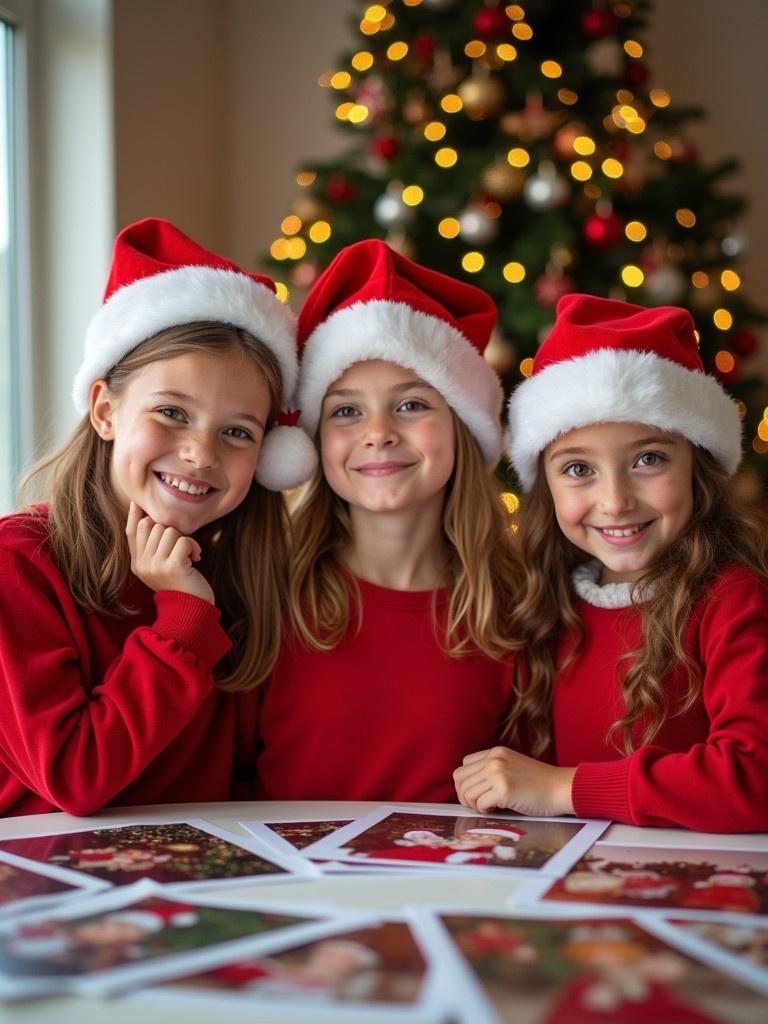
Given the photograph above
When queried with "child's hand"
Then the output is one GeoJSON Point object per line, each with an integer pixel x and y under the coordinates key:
{"type": "Point", "coordinates": [507, 780]}
{"type": "Point", "coordinates": [162, 558]}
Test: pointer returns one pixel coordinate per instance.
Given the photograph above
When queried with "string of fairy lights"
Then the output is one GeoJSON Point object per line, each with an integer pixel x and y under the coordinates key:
{"type": "Point", "coordinates": [580, 161]}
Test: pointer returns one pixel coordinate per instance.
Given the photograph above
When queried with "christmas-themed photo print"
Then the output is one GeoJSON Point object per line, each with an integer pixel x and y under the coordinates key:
{"type": "Point", "coordinates": [292, 835]}
{"type": "Point", "coordinates": [136, 934]}
{"type": "Point", "coordinates": [568, 970]}
{"type": "Point", "coordinates": [730, 881]}
{"type": "Point", "coordinates": [165, 852]}
{"type": "Point", "coordinates": [460, 842]}
{"type": "Point", "coordinates": [24, 886]}
{"type": "Point", "coordinates": [722, 940]}
{"type": "Point", "coordinates": [372, 965]}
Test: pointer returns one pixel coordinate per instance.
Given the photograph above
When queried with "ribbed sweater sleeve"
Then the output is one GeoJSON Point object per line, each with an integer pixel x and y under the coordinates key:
{"type": "Point", "coordinates": [74, 738]}
{"type": "Point", "coordinates": [715, 776]}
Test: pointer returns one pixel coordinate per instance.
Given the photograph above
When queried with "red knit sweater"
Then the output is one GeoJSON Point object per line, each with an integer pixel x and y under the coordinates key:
{"type": "Point", "coordinates": [706, 769]}
{"type": "Point", "coordinates": [96, 710]}
{"type": "Point", "coordinates": [387, 715]}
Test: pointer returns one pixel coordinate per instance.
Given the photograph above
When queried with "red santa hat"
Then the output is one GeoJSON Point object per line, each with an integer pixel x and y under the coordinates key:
{"type": "Point", "coordinates": [159, 915]}
{"type": "Point", "coordinates": [507, 831]}
{"type": "Point", "coordinates": [373, 303]}
{"type": "Point", "coordinates": [606, 361]}
{"type": "Point", "coordinates": [161, 278]}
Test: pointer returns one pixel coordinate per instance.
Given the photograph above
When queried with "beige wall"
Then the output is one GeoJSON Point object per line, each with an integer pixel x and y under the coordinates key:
{"type": "Point", "coordinates": [217, 103]}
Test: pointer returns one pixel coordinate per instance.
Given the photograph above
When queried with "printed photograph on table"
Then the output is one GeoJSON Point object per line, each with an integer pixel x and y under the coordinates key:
{"type": "Point", "coordinates": [585, 971]}
{"type": "Point", "coordinates": [731, 881]}
{"type": "Point", "coordinates": [293, 835]}
{"type": "Point", "coordinates": [165, 852]}
{"type": "Point", "coordinates": [722, 941]}
{"type": "Point", "coordinates": [465, 842]}
{"type": "Point", "coordinates": [135, 934]}
{"type": "Point", "coordinates": [24, 887]}
{"type": "Point", "coordinates": [747, 941]}
{"type": "Point", "coordinates": [377, 966]}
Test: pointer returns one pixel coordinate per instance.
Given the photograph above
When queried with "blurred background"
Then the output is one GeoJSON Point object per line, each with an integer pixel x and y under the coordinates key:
{"type": "Point", "coordinates": [277, 132]}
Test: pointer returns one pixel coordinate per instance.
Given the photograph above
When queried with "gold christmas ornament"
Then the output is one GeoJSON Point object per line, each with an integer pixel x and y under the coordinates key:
{"type": "Point", "coordinates": [500, 354]}
{"type": "Point", "coordinates": [502, 181]}
{"type": "Point", "coordinates": [483, 96]}
{"type": "Point", "coordinates": [309, 208]}
{"type": "Point", "coordinates": [416, 109]}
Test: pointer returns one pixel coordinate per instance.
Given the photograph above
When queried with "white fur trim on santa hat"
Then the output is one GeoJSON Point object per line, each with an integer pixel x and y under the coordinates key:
{"type": "Point", "coordinates": [184, 295]}
{"type": "Point", "coordinates": [510, 833]}
{"type": "Point", "coordinates": [621, 386]}
{"type": "Point", "coordinates": [288, 458]}
{"type": "Point", "coordinates": [429, 346]}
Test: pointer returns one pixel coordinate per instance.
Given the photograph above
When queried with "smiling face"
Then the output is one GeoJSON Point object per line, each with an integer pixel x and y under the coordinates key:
{"type": "Point", "coordinates": [186, 434]}
{"type": "Point", "coordinates": [387, 439]}
{"type": "Point", "coordinates": [623, 492]}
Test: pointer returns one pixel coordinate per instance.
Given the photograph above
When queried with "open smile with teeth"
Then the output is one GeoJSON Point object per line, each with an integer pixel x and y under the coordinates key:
{"type": "Point", "coordinates": [197, 490]}
{"type": "Point", "coordinates": [626, 531]}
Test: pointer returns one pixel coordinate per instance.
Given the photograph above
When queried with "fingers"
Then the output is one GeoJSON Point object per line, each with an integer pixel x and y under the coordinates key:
{"type": "Point", "coordinates": [479, 755]}
{"type": "Point", "coordinates": [135, 515]}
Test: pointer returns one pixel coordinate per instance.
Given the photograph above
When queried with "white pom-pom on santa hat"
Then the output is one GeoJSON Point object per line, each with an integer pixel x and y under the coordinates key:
{"type": "Point", "coordinates": [287, 459]}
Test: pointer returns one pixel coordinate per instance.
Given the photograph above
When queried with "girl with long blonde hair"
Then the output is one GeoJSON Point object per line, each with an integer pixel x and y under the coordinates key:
{"type": "Point", "coordinates": [642, 677]}
{"type": "Point", "coordinates": [402, 574]}
{"type": "Point", "coordinates": [147, 591]}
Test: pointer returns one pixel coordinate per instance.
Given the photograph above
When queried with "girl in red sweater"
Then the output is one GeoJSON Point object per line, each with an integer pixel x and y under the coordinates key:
{"type": "Point", "coordinates": [148, 590]}
{"type": "Point", "coordinates": [643, 631]}
{"type": "Point", "coordinates": [402, 569]}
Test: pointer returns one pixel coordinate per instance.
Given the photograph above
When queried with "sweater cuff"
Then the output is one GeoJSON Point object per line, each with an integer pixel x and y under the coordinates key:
{"type": "Point", "coordinates": [193, 624]}
{"type": "Point", "coordinates": [600, 790]}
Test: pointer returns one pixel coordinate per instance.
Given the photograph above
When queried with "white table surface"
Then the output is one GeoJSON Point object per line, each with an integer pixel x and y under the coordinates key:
{"type": "Point", "coordinates": [384, 892]}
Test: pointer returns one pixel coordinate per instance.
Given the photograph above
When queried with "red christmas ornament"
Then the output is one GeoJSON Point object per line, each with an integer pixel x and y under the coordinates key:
{"type": "Point", "coordinates": [603, 231]}
{"type": "Point", "coordinates": [637, 74]}
{"type": "Point", "coordinates": [549, 288]}
{"type": "Point", "coordinates": [491, 23]}
{"type": "Point", "coordinates": [743, 342]}
{"type": "Point", "coordinates": [423, 47]}
{"type": "Point", "coordinates": [683, 151]}
{"type": "Point", "coordinates": [385, 146]}
{"type": "Point", "coordinates": [597, 24]}
{"type": "Point", "coordinates": [340, 189]}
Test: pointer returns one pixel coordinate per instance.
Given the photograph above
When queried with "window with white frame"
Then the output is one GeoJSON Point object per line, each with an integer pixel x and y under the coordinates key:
{"type": "Point", "coordinates": [8, 431]}
{"type": "Point", "coordinates": [14, 333]}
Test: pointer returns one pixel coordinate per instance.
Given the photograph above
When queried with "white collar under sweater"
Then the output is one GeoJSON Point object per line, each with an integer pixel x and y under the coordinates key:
{"type": "Point", "coordinates": [611, 595]}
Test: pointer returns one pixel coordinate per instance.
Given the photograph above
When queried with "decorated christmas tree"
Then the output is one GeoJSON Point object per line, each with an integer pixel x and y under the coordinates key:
{"type": "Point", "coordinates": [524, 147]}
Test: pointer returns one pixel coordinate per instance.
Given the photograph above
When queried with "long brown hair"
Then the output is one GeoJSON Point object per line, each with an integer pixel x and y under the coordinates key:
{"type": "Point", "coordinates": [244, 552]}
{"type": "Point", "coordinates": [723, 530]}
{"type": "Point", "coordinates": [481, 568]}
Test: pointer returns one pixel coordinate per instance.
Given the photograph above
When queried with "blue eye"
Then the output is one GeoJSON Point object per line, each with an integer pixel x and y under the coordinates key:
{"type": "Point", "coordinates": [344, 412]}
{"type": "Point", "coordinates": [412, 405]}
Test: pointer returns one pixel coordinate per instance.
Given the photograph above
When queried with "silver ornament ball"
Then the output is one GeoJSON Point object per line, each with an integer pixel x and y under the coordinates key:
{"type": "Point", "coordinates": [390, 211]}
{"type": "Point", "coordinates": [477, 227]}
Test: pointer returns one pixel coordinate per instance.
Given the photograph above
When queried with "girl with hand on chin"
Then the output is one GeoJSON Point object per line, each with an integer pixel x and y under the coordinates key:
{"type": "Point", "coordinates": [402, 573]}
{"type": "Point", "coordinates": [642, 676]}
{"type": "Point", "coordinates": [120, 661]}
